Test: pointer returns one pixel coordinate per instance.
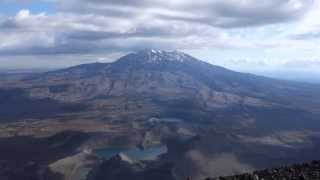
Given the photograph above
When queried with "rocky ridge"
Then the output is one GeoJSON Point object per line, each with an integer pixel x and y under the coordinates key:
{"type": "Point", "coordinates": [305, 171]}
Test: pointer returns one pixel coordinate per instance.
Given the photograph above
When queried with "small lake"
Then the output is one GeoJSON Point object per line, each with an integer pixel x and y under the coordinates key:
{"type": "Point", "coordinates": [148, 153]}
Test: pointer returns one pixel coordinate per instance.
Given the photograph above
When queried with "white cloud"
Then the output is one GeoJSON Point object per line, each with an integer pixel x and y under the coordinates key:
{"type": "Point", "coordinates": [243, 29]}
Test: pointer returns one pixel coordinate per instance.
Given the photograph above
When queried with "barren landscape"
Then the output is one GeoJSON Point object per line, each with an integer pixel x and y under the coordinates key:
{"type": "Point", "coordinates": [212, 121]}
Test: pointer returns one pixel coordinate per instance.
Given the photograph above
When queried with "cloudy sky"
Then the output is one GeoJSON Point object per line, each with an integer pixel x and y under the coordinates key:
{"type": "Point", "coordinates": [240, 34]}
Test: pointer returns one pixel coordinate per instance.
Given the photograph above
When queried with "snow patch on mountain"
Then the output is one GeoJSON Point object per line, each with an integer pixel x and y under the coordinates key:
{"type": "Point", "coordinates": [157, 56]}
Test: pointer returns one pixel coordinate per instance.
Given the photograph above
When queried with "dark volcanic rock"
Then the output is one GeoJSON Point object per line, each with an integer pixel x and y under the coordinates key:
{"type": "Point", "coordinates": [27, 157]}
{"type": "Point", "coordinates": [305, 171]}
{"type": "Point", "coordinates": [15, 104]}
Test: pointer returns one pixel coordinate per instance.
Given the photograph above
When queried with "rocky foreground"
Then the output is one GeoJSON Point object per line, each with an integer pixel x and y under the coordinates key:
{"type": "Point", "coordinates": [306, 171]}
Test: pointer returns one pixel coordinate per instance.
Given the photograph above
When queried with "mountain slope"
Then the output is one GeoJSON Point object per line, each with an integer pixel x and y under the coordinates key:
{"type": "Point", "coordinates": [160, 83]}
{"type": "Point", "coordinates": [176, 67]}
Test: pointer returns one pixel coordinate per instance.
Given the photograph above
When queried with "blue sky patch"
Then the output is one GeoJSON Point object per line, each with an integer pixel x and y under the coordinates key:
{"type": "Point", "coordinates": [11, 8]}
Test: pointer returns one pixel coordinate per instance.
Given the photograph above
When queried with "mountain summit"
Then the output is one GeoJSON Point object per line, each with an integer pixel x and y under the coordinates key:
{"type": "Point", "coordinates": [158, 56]}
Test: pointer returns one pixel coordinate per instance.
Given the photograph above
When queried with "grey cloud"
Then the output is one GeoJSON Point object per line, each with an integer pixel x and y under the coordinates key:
{"type": "Point", "coordinates": [217, 13]}
{"type": "Point", "coordinates": [81, 26]}
{"type": "Point", "coordinates": [8, 24]}
{"type": "Point", "coordinates": [88, 43]}
{"type": "Point", "coordinates": [82, 34]}
{"type": "Point", "coordinates": [224, 14]}
{"type": "Point", "coordinates": [70, 48]}
{"type": "Point", "coordinates": [305, 36]}
{"type": "Point", "coordinates": [140, 32]}
{"type": "Point", "coordinates": [315, 63]}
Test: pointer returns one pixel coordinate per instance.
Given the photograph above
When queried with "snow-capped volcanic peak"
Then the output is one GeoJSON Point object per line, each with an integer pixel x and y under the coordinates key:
{"type": "Point", "coordinates": [157, 56]}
